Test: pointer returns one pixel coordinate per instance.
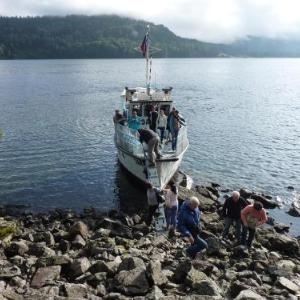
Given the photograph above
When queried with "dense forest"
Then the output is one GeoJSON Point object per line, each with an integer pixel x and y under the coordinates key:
{"type": "Point", "coordinates": [110, 36]}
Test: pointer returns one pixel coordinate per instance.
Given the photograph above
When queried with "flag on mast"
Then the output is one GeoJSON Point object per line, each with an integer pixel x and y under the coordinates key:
{"type": "Point", "coordinates": [144, 45]}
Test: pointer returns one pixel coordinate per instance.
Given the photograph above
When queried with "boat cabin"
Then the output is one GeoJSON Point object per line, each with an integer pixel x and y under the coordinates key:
{"type": "Point", "coordinates": [141, 100]}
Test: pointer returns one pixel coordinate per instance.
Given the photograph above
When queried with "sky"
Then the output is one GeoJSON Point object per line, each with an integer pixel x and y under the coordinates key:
{"type": "Point", "coordinates": [205, 20]}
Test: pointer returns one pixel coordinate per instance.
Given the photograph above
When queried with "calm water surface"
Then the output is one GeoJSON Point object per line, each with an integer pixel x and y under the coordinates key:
{"type": "Point", "coordinates": [243, 117]}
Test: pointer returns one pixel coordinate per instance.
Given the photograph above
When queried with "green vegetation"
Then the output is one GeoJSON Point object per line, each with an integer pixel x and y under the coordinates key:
{"type": "Point", "coordinates": [90, 37]}
{"type": "Point", "coordinates": [110, 36]}
{"type": "Point", "coordinates": [1, 133]}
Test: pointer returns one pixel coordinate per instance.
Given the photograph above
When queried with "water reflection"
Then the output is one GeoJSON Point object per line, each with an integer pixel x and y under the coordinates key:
{"type": "Point", "coordinates": [129, 191]}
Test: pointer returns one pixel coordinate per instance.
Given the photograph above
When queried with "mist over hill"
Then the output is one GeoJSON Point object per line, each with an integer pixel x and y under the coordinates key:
{"type": "Point", "coordinates": [111, 36]}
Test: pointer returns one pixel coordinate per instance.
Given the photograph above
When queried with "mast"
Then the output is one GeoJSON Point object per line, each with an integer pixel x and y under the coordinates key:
{"type": "Point", "coordinates": [147, 60]}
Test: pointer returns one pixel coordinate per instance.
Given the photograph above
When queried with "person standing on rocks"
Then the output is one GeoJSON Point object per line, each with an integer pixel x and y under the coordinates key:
{"type": "Point", "coordinates": [232, 213]}
{"type": "Point", "coordinates": [153, 203]}
{"type": "Point", "coordinates": [252, 216]}
{"type": "Point", "coordinates": [171, 208]}
{"type": "Point", "coordinates": [188, 225]}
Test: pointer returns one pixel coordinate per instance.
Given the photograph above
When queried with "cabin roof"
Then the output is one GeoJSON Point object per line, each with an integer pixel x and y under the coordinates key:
{"type": "Point", "coordinates": [140, 94]}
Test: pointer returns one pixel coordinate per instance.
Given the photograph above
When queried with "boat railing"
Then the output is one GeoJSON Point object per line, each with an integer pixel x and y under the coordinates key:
{"type": "Point", "coordinates": [128, 140]}
{"type": "Point", "coordinates": [182, 140]}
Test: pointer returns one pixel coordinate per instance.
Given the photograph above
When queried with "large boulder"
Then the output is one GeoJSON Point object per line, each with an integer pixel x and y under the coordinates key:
{"type": "Point", "coordinates": [75, 290]}
{"type": "Point", "coordinates": [206, 203]}
{"type": "Point", "coordinates": [279, 242]}
{"type": "Point", "coordinates": [45, 276]}
{"type": "Point", "coordinates": [133, 282]}
{"type": "Point", "coordinates": [182, 270]}
{"type": "Point", "coordinates": [79, 267]}
{"type": "Point", "coordinates": [79, 228]}
{"type": "Point", "coordinates": [155, 273]}
{"type": "Point", "coordinates": [267, 203]}
{"type": "Point", "coordinates": [130, 263]}
{"type": "Point", "coordinates": [288, 285]}
{"type": "Point", "coordinates": [16, 248]}
{"type": "Point", "coordinates": [116, 227]}
{"type": "Point", "coordinates": [200, 283]}
{"type": "Point", "coordinates": [294, 211]}
{"type": "Point", "coordinates": [249, 295]}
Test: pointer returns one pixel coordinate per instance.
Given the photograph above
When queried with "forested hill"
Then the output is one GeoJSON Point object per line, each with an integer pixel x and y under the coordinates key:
{"type": "Point", "coordinates": [110, 36]}
{"type": "Point", "coordinates": [90, 37]}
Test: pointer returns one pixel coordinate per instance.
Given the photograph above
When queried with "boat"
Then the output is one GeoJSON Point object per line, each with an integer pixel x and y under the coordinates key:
{"type": "Point", "coordinates": [132, 154]}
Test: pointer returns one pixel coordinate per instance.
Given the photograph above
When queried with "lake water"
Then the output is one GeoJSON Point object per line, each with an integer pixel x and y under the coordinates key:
{"type": "Point", "coordinates": [58, 151]}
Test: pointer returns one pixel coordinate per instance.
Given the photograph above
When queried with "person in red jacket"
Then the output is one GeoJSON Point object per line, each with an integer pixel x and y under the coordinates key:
{"type": "Point", "coordinates": [252, 216]}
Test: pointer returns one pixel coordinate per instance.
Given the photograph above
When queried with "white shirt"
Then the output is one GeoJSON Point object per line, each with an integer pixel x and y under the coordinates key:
{"type": "Point", "coordinates": [171, 199]}
{"type": "Point", "coordinates": [162, 121]}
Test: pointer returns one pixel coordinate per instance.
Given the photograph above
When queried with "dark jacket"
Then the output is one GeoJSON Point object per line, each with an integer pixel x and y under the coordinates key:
{"type": "Point", "coordinates": [232, 209]}
{"type": "Point", "coordinates": [153, 115]}
{"type": "Point", "coordinates": [146, 135]}
{"type": "Point", "coordinates": [188, 220]}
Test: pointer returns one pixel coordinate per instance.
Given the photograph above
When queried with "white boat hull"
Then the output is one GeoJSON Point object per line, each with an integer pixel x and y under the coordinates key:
{"type": "Point", "coordinates": [165, 169]}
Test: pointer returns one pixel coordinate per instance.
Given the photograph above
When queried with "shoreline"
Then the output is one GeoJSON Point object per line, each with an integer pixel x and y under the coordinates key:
{"type": "Point", "coordinates": [92, 255]}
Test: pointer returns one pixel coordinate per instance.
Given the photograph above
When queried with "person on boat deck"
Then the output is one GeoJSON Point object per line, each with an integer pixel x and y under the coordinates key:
{"type": "Point", "coordinates": [188, 223]}
{"type": "Point", "coordinates": [152, 140]}
{"type": "Point", "coordinates": [252, 216]}
{"type": "Point", "coordinates": [153, 115]}
{"type": "Point", "coordinates": [162, 124]}
{"type": "Point", "coordinates": [232, 213]}
{"type": "Point", "coordinates": [174, 128]}
{"type": "Point", "coordinates": [118, 117]}
{"type": "Point", "coordinates": [153, 203]}
{"type": "Point", "coordinates": [134, 122]}
{"type": "Point", "coordinates": [171, 207]}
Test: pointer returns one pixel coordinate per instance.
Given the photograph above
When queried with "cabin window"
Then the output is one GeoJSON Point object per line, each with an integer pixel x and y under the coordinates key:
{"type": "Point", "coordinates": [166, 108]}
{"type": "Point", "coordinates": [147, 108]}
{"type": "Point", "coordinates": [138, 109]}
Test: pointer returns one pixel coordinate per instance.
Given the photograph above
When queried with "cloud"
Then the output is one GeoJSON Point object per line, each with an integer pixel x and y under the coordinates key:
{"type": "Point", "coordinates": [207, 20]}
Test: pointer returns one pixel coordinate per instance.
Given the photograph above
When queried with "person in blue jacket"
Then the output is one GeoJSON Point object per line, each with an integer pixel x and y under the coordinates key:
{"type": "Point", "coordinates": [134, 122]}
{"type": "Point", "coordinates": [188, 226]}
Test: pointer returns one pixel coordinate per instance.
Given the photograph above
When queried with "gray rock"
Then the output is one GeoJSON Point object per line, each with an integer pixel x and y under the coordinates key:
{"type": "Point", "coordinates": [282, 243]}
{"type": "Point", "coordinates": [154, 294]}
{"type": "Point", "coordinates": [73, 290]}
{"type": "Point", "coordinates": [54, 260]}
{"type": "Point", "coordinates": [289, 285]}
{"type": "Point", "coordinates": [249, 295]}
{"type": "Point", "coordinates": [240, 252]}
{"type": "Point", "coordinates": [133, 282]}
{"type": "Point", "coordinates": [78, 242]}
{"type": "Point", "coordinates": [80, 228]}
{"type": "Point", "coordinates": [155, 274]}
{"type": "Point", "coordinates": [294, 211]}
{"type": "Point", "coordinates": [9, 272]}
{"type": "Point", "coordinates": [64, 245]}
{"type": "Point", "coordinates": [201, 284]}
{"type": "Point", "coordinates": [79, 266]}
{"type": "Point", "coordinates": [40, 249]}
{"type": "Point", "coordinates": [16, 248]}
{"type": "Point", "coordinates": [267, 203]}
{"type": "Point", "coordinates": [17, 281]}
{"type": "Point", "coordinates": [46, 237]}
{"type": "Point", "coordinates": [116, 227]}
{"type": "Point", "coordinates": [11, 295]}
{"type": "Point", "coordinates": [45, 276]}
{"type": "Point", "coordinates": [182, 270]}
{"type": "Point", "coordinates": [110, 267]}
{"type": "Point", "coordinates": [214, 245]}
{"type": "Point", "coordinates": [130, 263]}
{"type": "Point", "coordinates": [101, 290]}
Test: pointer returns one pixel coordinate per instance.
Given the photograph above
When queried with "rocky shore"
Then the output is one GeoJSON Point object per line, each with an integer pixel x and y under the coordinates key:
{"type": "Point", "coordinates": [91, 255]}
